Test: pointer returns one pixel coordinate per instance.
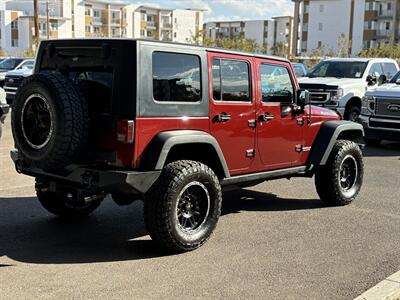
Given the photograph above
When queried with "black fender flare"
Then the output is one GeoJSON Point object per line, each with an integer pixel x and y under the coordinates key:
{"type": "Point", "coordinates": [160, 146]}
{"type": "Point", "coordinates": [327, 136]}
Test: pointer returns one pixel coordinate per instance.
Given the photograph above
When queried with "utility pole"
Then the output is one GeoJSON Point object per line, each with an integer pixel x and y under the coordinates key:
{"type": "Point", "coordinates": [36, 22]}
{"type": "Point", "coordinates": [47, 19]}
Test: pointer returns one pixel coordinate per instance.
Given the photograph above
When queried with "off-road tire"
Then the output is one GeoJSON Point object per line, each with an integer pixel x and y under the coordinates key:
{"type": "Point", "coordinates": [162, 201]}
{"type": "Point", "coordinates": [57, 204]}
{"type": "Point", "coordinates": [352, 113]}
{"type": "Point", "coordinates": [327, 177]}
{"type": "Point", "coordinates": [372, 142]}
{"type": "Point", "coordinates": [69, 119]}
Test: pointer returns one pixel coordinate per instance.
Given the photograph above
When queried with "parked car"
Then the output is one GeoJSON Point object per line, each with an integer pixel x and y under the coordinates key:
{"type": "Point", "coordinates": [299, 70]}
{"type": "Point", "coordinates": [380, 113]}
{"type": "Point", "coordinates": [4, 109]}
{"type": "Point", "coordinates": [14, 63]}
{"type": "Point", "coordinates": [13, 80]}
{"type": "Point", "coordinates": [340, 83]}
{"type": "Point", "coordinates": [174, 125]}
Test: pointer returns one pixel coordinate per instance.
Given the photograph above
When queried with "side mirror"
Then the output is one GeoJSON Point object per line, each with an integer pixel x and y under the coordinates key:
{"type": "Point", "coordinates": [371, 79]}
{"type": "Point", "coordinates": [303, 98]}
{"type": "Point", "coordinates": [382, 79]}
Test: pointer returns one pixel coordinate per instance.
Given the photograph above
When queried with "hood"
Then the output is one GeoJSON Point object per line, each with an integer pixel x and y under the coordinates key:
{"type": "Point", "coordinates": [321, 111]}
{"type": "Point", "coordinates": [329, 81]}
{"type": "Point", "coordinates": [21, 72]}
{"type": "Point", "coordinates": [391, 90]}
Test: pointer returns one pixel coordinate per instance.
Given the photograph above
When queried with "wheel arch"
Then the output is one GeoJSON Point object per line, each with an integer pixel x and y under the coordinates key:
{"type": "Point", "coordinates": [195, 145]}
{"type": "Point", "coordinates": [354, 101]}
{"type": "Point", "coordinates": [328, 134]}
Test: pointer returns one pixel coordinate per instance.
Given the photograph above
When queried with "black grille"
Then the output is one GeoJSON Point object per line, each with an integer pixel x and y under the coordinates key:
{"type": "Point", "coordinates": [13, 81]}
{"type": "Point", "coordinates": [319, 97]}
{"type": "Point", "coordinates": [384, 124]}
{"type": "Point", "coordinates": [388, 107]}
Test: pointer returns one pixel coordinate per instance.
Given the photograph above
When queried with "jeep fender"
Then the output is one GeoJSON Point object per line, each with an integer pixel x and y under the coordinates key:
{"type": "Point", "coordinates": [161, 145]}
{"type": "Point", "coordinates": [328, 134]}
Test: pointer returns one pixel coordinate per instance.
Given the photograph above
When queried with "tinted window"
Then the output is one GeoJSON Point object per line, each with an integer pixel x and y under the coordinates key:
{"type": "Point", "coordinates": [176, 77]}
{"type": "Point", "coordinates": [376, 68]}
{"type": "Point", "coordinates": [339, 69]}
{"type": "Point", "coordinates": [276, 84]}
{"type": "Point", "coordinates": [298, 71]}
{"type": "Point", "coordinates": [389, 69]}
{"type": "Point", "coordinates": [231, 80]}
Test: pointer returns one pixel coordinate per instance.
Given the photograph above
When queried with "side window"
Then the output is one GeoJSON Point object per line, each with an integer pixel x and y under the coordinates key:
{"type": "Point", "coordinates": [276, 84]}
{"type": "Point", "coordinates": [389, 69]}
{"type": "Point", "coordinates": [231, 81]}
{"type": "Point", "coordinates": [375, 68]}
{"type": "Point", "coordinates": [176, 77]}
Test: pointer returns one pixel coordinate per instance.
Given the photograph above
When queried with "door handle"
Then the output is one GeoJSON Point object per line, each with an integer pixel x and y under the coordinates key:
{"type": "Point", "coordinates": [266, 117]}
{"type": "Point", "coordinates": [224, 117]}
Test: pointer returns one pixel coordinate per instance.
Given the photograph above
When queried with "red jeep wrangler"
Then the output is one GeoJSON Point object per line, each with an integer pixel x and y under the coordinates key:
{"type": "Point", "coordinates": [173, 125]}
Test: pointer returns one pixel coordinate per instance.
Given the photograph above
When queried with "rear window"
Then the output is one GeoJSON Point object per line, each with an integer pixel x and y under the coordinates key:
{"type": "Point", "coordinates": [176, 77]}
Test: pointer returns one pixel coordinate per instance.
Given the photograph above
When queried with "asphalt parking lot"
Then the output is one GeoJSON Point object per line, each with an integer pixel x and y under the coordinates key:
{"type": "Point", "coordinates": [275, 240]}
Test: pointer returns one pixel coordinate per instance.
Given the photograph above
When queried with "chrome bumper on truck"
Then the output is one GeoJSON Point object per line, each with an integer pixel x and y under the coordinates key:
{"type": "Point", "coordinates": [136, 182]}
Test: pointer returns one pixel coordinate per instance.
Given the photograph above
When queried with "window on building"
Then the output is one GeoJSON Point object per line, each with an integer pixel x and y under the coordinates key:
{"type": "Point", "coordinates": [14, 24]}
{"type": "Point", "coordinates": [175, 20]}
{"type": "Point", "coordinates": [14, 42]}
{"type": "Point", "coordinates": [142, 16]}
{"type": "Point", "coordinates": [73, 27]}
{"type": "Point", "coordinates": [96, 29]}
{"type": "Point", "coordinates": [368, 25]}
{"type": "Point", "coordinates": [304, 46]}
{"type": "Point", "coordinates": [96, 13]}
{"type": "Point", "coordinates": [319, 45]}
{"type": "Point", "coordinates": [320, 26]}
{"type": "Point", "coordinates": [149, 33]}
{"type": "Point", "coordinates": [174, 34]}
{"type": "Point", "coordinates": [142, 32]}
{"type": "Point", "coordinates": [369, 6]}
{"type": "Point", "coordinates": [176, 77]}
{"type": "Point", "coordinates": [230, 80]}
{"type": "Point", "coordinates": [276, 85]}
{"type": "Point", "coordinates": [54, 26]}
{"type": "Point", "coordinates": [87, 29]}
{"type": "Point", "coordinates": [387, 25]}
{"type": "Point", "coordinates": [149, 18]}
{"type": "Point", "coordinates": [305, 27]}
{"type": "Point", "coordinates": [72, 11]}
{"type": "Point", "coordinates": [389, 6]}
{"type": "Point", "coordinates": [87, 12]}
{"type": "Point", "coordinates": [306, 8]}
{"type": "Point", "coordinates": [321, 8]}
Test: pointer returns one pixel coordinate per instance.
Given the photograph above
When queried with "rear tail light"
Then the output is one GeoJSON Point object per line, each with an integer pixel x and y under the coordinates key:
{"type": "Point", "coordinates": [126, 131]}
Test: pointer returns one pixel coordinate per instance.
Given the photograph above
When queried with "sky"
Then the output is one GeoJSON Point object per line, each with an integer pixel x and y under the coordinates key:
{"type": "Point", "coordinates": [220, 10]}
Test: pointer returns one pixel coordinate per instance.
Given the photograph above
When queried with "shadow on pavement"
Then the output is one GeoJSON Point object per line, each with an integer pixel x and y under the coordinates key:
{"type": "Point", "coordinates": [29, 234]}
{"type": "Point", "coordinates": [385, 149]}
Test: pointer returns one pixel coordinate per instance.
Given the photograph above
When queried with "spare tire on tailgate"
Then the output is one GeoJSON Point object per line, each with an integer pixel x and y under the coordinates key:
{"type": "Point", "coordinates": [49, 121]}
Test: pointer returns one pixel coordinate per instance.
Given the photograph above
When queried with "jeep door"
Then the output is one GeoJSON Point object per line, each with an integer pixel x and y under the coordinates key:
{"type": "Point", "coordinates": [279, 129]}
{"type": "Point", "coordinates": [232, 109]}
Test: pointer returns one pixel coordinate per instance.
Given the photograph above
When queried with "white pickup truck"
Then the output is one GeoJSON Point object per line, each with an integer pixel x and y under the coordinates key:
{"type": "Point", "coordinates": [340, 83]}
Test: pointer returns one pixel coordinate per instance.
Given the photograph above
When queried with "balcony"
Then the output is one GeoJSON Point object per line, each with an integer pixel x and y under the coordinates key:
{"type": "Point", "coordinates": [384, 34]}
{"type": "Point", "coordinates": [385, 15]}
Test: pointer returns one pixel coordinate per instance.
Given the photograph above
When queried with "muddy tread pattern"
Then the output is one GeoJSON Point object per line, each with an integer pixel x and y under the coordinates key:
{"type": "Point", "coordinates": [71, 140]}
{"type": "Point", "coordinates": [326, 177]}
{"type": "Point", "coordinates": [157, 209]}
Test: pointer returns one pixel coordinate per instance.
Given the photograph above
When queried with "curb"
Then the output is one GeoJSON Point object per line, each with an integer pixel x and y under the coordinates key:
{"type": "Point", "coordinates": [387, 289]}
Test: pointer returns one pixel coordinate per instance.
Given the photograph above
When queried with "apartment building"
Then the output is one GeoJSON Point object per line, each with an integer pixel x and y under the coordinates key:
{"type": "Point", "coordinates": [362, 23]}
{"type": "Point", "coordinates": [270, 33]}
{"type": "Point", "coordinates": [93, 18]}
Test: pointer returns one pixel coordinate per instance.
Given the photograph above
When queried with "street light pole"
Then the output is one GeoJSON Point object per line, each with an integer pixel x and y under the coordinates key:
{"type": "Point", "coordinates": [47, 19]}
{"type": "Point", "coordinates": [36, 22]}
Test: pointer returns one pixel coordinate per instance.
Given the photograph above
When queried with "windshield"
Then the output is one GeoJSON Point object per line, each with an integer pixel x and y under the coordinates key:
{"type": "Point", "coordinates": [10, 63]}
{"type": "Point", "coordinates": [339, 69]}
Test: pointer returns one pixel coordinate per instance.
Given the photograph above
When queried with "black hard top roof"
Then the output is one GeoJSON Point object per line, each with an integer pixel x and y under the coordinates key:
{"type": "Point", "coordinates": [91, 41]}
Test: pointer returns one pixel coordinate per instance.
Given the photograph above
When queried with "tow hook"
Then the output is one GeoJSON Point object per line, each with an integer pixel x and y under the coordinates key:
{"type": "Point", "coordinates": [91, 198]}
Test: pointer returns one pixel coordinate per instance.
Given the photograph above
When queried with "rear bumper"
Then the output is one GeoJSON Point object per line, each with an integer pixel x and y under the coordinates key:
{"type": "Point", "coordinates": [109, 181]}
